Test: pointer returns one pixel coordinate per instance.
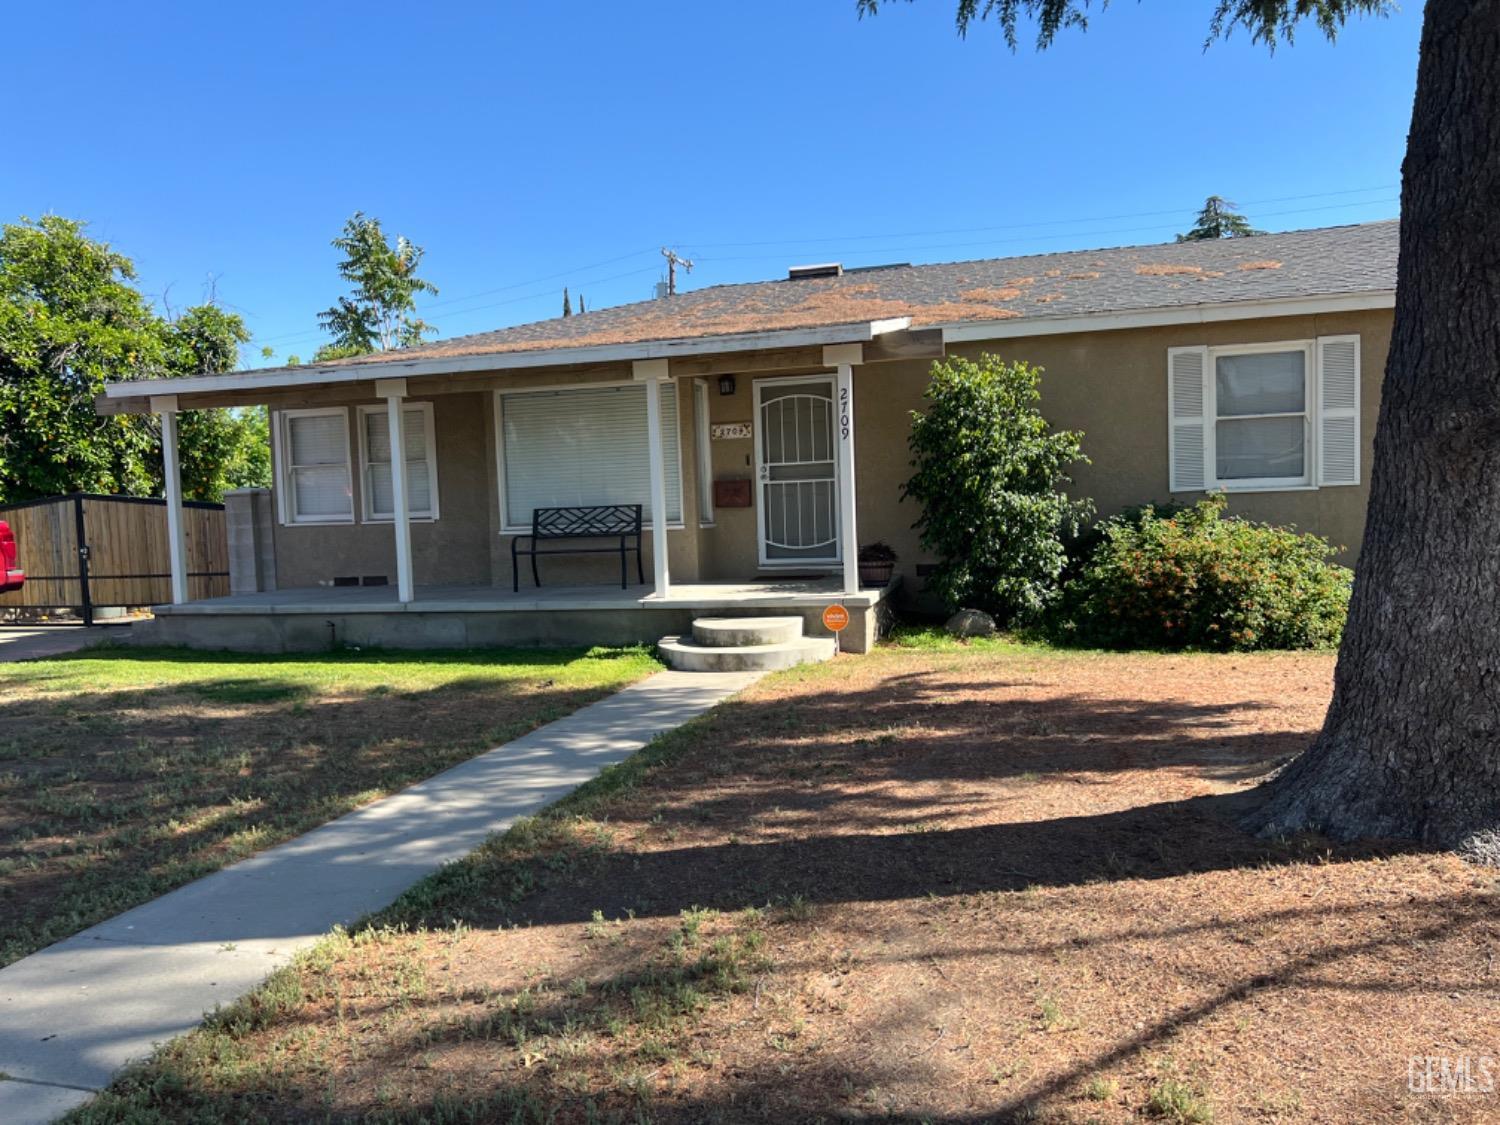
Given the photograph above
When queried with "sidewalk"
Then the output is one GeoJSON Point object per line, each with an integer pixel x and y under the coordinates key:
{"type": "Point", "coordinates": [32, 642]}
{"type": "Point", "coordinates": [74, 1013]}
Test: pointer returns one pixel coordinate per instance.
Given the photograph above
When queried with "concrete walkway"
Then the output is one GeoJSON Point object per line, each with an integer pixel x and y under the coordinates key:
{"type": "Point", "coordinates": [28, 642]}
{"type": "Point", "coordinates": [73, 1014]}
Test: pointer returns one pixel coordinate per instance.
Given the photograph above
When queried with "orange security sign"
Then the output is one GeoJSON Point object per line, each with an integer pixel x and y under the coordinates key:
{"type": "Point", "coordinates": [835, 618]}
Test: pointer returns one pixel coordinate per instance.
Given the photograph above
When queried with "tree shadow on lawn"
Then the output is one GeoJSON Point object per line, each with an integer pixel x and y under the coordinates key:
{"type": "Point", "coordinates": [918, 795]}
{"type": "Point", "coordinates": [554, 656]}
{"type": "Point", "coordinates": [909, 789]}
{"type": "Point", "coordinates": [109, 798]}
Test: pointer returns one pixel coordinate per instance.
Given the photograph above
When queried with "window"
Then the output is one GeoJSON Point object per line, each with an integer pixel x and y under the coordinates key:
{"type": "Point", "coordinates": [314, 449]}
{"type": "Point", "coordinates": [584, 446]}
{"type": "Point", "coordinates": [1264, 416]}
{"type": "Point", "coordinates": [375, 462]}
{"type": "Point", "coordinates": [701, 437]}
{"type": "Point", "coordinates": [1261, 424]}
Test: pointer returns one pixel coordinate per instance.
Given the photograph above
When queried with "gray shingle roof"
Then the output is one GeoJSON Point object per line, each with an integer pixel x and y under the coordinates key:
{"type": "Point", "coordinates": [1321, 262]}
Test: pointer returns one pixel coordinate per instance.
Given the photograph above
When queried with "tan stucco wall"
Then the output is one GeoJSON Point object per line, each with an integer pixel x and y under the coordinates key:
{"type": "Point", "coordinates": [451, 550]}
{"type": "Point", "coordinates": [1113, 387]}
{"type": "Point", "coordinates": [464, 545]}
{"type": "Point", "coordinates": [1110, 385]}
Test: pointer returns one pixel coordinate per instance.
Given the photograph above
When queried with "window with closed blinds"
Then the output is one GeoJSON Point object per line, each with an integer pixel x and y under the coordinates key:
{"type": "Point", "coordinates": [1261, 425]}
{"type": "Point", "coordinates": [375, 459]}
{"type": "Point", "coordinates": [1264, 417]}
{"type": "Point", "coordinates": [585, 446]}
{"type": "Point", "coordinates": [315, 446]}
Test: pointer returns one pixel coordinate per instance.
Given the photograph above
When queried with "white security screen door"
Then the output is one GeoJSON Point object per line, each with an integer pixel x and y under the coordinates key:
{"type": "Point", "coordinates": [797, 470]}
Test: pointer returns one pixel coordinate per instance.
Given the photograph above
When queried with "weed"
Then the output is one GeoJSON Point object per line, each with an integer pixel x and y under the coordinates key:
{"type": "Point", "coordinates": [1101, 1089]}
{"type": "Point", "coordinates": [1176, 1101]}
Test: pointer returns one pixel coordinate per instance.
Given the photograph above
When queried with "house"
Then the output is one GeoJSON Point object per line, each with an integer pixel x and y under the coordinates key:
{"type": "Point", "coordinates": [763, 429]}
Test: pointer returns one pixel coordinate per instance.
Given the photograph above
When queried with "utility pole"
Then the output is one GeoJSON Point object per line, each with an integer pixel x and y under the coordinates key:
{"type": "Point", "coordinates": [673, 261]}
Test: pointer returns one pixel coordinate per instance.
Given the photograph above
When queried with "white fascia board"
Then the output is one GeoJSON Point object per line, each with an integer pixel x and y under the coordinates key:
{"type": "Point", "coordinates": [278, 378]}
{"type": "Point", "coordinates": [1153, 318]}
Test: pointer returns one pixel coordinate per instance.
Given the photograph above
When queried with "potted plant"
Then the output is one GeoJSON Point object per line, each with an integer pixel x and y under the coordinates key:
{"type": "Point", "coordinates": [877, 562]}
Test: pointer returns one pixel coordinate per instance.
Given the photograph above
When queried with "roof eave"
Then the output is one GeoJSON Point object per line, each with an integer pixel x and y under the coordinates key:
{"type": "Point", "coordinates": [1208, 312]}
{"type": "Point", "coordinates": [311, 375]}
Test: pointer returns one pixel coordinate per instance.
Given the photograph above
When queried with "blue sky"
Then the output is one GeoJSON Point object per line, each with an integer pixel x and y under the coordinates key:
{"type": "Point", "coordinates": [528, 146]}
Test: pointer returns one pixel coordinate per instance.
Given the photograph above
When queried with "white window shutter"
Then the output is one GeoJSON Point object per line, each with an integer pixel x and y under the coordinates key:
{"type": "Point", "coordinates": [1187, 409]}
{"type": "Point", "coordinates": [1338, 410]}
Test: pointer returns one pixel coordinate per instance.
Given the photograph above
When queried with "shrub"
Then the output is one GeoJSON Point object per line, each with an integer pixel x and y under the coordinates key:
{"type": "Point", "coordinates": [988, 474]}
{"type": "Point", "coordinates": [1194, 578]}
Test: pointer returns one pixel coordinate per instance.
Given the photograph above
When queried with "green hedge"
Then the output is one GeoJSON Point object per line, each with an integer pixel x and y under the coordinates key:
{"type": "Point", "coordinates": [1195, 578]}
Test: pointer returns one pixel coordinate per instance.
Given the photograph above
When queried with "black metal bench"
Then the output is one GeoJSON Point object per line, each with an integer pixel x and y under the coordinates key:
{"type": "Point", "coordinates": [605, 521]}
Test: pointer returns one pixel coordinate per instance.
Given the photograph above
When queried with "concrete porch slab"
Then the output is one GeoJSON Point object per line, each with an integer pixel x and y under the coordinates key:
{"type": "Point", "coordinates": [321, 618]}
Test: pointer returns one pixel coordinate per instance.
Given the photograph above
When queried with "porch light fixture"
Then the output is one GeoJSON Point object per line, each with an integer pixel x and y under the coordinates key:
{"type": "Point", "coordinates": [726, 384]}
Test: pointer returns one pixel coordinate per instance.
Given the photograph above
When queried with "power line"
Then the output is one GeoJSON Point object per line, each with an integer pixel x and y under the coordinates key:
{"type": "Point", "coordinates": [448, 303]}
{"type": "Point", "coordinates": [1192, 209]}
{"type": "Point", "coordinates": [488, 292]}
{"type": "Point", "coordinates": [1046, 237]}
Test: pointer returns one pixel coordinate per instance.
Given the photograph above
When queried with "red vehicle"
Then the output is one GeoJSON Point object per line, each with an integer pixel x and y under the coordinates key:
{"type": "Point", "coordinates": [12, 577]}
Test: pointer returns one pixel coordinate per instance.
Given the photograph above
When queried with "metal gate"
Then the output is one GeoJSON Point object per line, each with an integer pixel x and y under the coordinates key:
{"type": "Point", "coordinates": [797, 465]}
{"type": "Point", "coordinates": [85, 551]}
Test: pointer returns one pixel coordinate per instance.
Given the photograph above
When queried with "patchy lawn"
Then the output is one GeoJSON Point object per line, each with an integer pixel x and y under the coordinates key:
{"type": "Point", "coordinates": [127, 772]}
{"type": "Point", "coordinates": [945, 885]}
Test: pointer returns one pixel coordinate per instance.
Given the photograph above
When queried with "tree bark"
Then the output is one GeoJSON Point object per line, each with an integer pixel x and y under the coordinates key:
{"type": "Point", "coordinates": [1411, 744]}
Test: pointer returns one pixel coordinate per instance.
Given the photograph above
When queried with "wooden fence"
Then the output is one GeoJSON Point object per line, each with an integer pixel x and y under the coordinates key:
{"type": "Point", "coordinates": [83, 551]}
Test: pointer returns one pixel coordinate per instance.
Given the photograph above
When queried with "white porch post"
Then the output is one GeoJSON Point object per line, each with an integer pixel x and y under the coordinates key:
{"type": "Point", "coordinates": [394, 393]}
{"type": "Point", "coordinates": [655, 372]}
{"type": "Point", "coordinates": [165, 406]}
{"type": "Point", "coordinates": [843, 357]}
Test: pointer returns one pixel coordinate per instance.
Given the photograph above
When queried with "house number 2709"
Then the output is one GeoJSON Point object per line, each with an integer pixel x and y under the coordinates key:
{"type": "Point", "coordinates": [844, 413]}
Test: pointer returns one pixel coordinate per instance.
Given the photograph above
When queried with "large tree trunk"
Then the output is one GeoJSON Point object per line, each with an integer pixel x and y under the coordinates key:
{"type": "Point", "coordinates": [1411, 744]}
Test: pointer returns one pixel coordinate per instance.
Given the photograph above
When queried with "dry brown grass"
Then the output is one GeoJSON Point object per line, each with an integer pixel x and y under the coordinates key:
{"type": "Point", "coordinates": [127, 772]}
{"type": "Point", "coordinates": [1003, 885]}
{"type": "Point", "coordinates": [1262, 264]}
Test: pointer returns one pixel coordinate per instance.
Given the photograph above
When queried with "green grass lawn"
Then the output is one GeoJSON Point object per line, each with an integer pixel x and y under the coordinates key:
{"type": "Point", "coordinates": [127, 772]}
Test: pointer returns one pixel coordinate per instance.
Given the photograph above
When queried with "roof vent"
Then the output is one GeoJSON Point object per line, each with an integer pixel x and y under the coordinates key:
{"type": "Point", "coordinates": [825, 269]}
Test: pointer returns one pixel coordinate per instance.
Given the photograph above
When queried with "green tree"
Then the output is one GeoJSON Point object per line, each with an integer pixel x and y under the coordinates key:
{"type": "Point", "coordinates": [70, 321]}
{"type": "Point", "coordinates": [380, 311]}
{"type": "Point", "coordinates": [220, 449]}
{"type": "Point", "coordinates": [1409, 745]}
{"type": "Point", "coordinates": [567, 304]}
{"type": "Point", "coordinates": [989, 475]}
{"type": "Point", "coordinates": [1218, 219]}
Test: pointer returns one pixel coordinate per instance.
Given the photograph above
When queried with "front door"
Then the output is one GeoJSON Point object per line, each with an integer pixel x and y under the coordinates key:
{"type": "Point", "coordinates": [796, 461]}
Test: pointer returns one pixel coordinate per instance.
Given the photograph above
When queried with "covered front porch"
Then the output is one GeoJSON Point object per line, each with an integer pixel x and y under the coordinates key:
{"type": "Point", "coordinates": [736, 453]}
{"type": "Point", "coordinates": [318, 618]}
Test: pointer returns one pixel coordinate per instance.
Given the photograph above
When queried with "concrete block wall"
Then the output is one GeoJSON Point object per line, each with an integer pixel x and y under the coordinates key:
{"type": "Point", "coordinates": [249, 519]}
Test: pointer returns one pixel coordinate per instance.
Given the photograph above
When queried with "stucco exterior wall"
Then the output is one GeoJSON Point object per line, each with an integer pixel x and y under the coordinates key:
{"type": "Point", "coordinates": [1113, 387]}
{"type": "Point", "coordinates": [451, 550]}
{"type": "Point", "coordinates": [465, 546]}
{"type": "Point", "coordinates": [1110, 385]}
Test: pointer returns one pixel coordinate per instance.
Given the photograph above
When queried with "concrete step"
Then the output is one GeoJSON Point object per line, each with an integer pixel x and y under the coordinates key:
{"type": "Point", "coordinates": [733, 632]}
{"type": "Point", "coordinates": [683, 654]}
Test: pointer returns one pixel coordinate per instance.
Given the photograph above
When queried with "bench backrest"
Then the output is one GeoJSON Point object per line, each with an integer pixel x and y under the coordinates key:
{"type": "Point", "coordinates": [581, 523]}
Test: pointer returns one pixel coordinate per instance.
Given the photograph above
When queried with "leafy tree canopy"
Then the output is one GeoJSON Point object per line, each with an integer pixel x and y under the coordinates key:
{"type": "Point", "coordinates": [1266, 21]}
{"type": "Point", "coordinates": [380, 311]}
{"type": "Point", "coordinates": [1218, 219]}
{"type": "Point", "coordinates": [71, 321]}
